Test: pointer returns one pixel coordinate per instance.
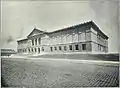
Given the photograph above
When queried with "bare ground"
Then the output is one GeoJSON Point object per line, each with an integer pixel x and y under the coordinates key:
{"type": "Point", "coordinates": [19, 72]}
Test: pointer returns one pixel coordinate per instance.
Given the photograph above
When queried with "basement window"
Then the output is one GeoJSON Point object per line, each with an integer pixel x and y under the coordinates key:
{"type": "Point", "coordinates": [55, 48]}
{"type": "Point", "coordinates": [83, 46]}
{"type": "Point", "coordinates": [51, 48]}
{"type": "Point", "coordinates": [32, 49]}
{"type": "Point", "coordinates": [24, 50]}
{"type": "Point", "coordinates": [35, 49]}
{"type": "Point", "coordinates": [39, 50]}
{"type": "Point", "coordinates": [60, 48]}
{"type": "Point", "coordinates": [70, 47]}
{"type": "Point", "coordinates": [29, 50]}
{"type": "Point", "coordinates": [42, 48]}
{"type": "Point", "coordinates": [65, 48]}
{"type": "Point", "coordinates": [76, 47]}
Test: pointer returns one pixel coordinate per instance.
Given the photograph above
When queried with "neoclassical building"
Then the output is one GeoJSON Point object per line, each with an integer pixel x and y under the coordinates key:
{"type": "Point", "coordinates": [85, 37]}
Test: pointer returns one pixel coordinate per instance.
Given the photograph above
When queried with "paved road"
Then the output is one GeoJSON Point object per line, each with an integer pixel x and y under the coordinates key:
{"type": "Point", "coordinates": [41, 73]}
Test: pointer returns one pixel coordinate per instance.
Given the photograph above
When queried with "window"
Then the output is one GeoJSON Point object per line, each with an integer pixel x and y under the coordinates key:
{"type": "Point", "coordinates": [99, 47]}
{"type": "Point", "coordinates": [35, 49]}
{"type": "Point", "coordinates": [55, 48]}
{"type": "Point", "coordinates": [76, 47]}
{"type": "Point", "coordinates": [60, 48]}
{"type": "Point", "coordinates": [32, 49]}
{"type": "Point", "coordinates": [42, 48]}
{"type": "Point", "coordinates": [70, 47]}
{"type": "Point", "coordinates": [29, 50]}
{"type": "Point", "coordinates": [75, 37]}
{"type": "Point", "coordinates": [33, 42]}
{"type": "Point", "coordinates": [79, 36]}
{"type": "Point", "coordinates": [83, 46]}
{"type": "Point", "coordinates": [39, 50]}
{"type": "Point", "coordinates": [51, 49]}
{"type": "Point", "coordinates": [65, 48]}
{"type": "Point", "coordinates": [83, 36]}
{"type": "Point", "coordinates": [39, 40]}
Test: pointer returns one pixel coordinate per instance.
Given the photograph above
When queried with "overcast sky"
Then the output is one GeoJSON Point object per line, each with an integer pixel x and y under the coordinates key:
{"type": "Point", "coordinates": [20, 17]}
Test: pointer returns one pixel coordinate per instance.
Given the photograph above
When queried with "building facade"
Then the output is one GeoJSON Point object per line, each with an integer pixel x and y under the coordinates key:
{"type": "Point", "coordinates": [86, 37]}
{"type": "Point", "coordinates": [7, 52]}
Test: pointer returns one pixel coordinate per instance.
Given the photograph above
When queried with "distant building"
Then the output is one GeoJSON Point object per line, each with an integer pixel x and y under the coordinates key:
{"type": "Point", "coordinates": [86, 37]}
{"type": "Point", "coordinates": [7, 52]}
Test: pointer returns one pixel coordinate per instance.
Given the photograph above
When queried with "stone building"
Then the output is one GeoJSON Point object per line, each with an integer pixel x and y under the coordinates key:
{"type": "Point", "coordinates": [86, 37]}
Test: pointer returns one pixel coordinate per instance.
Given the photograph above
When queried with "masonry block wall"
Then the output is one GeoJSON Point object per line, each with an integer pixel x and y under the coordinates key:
{"type": "Point", "coordinates": [79, 38]}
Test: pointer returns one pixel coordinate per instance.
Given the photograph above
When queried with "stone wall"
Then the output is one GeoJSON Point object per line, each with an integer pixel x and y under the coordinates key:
{"type": "Point", "coordinates": [85, 38]}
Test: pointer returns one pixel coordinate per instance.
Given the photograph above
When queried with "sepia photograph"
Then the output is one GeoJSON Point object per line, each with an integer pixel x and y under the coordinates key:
{"type": "Point", "coordinates": [59, 44]}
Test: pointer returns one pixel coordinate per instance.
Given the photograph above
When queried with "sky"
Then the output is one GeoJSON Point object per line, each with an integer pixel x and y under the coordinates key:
{"type": "Point", "coordinates": [18, 18]}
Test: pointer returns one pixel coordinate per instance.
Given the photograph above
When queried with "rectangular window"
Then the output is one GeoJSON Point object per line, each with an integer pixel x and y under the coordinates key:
{"type": "Point", "coordinates": [29, 50]}
{"type": "Point", "coordinates": [51, 49]}
{"type": "Point", "coordinates": [35, 49]}
{"type": "Point", "coordinates": [76, 47]}
{"type": "Point", "coordinates": [33, 42]}
{"type": "Point", "coordinates": [60, 48]}
{"type": "Point", "coordinates": [55, 48]}
{"type": "Point", "coordinates": [83, 36]}
{"type": "Point", "coordinates": [83, 46]}
{"type": "Point", "coordinates": [65, 48]}
{"type": "Point", "coordinates": [32, 49]}
{"type": "Point", "coordinates": [39, 50]}
{"type": "Point", "coordinates": [39, 40]}
{"type": "Point", "coordinates": [79, 36]}
{"type": "Point", "coordinates": [100, 47]}
{"type": "Point", "coordinates": [70, 47]}
{"type": "Point", "coordinates": [42, 48]}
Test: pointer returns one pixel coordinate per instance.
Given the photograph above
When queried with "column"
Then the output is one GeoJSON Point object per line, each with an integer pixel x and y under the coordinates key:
{"type": "Point", "coordinates": [37, 41]}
